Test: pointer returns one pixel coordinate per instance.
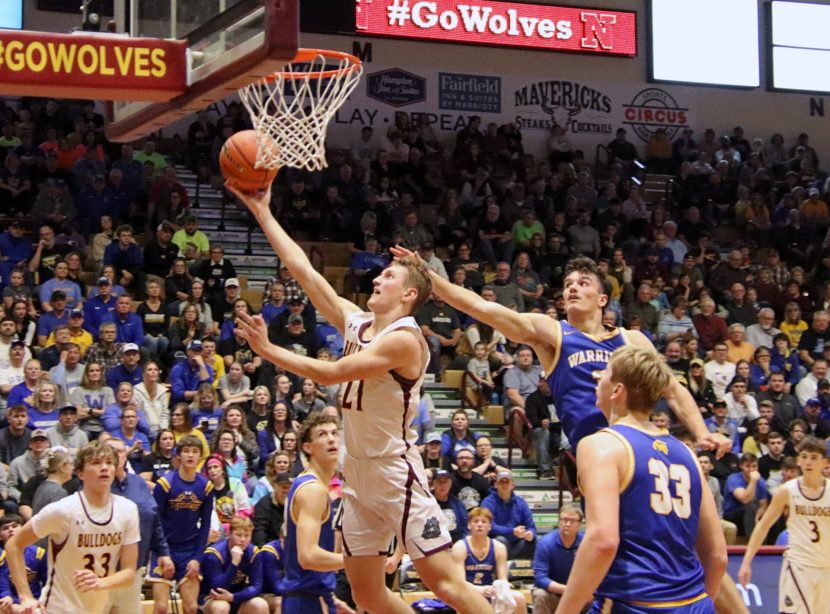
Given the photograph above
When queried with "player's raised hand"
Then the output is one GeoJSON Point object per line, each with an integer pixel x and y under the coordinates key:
{"type": "Point", "coordinates": [745, 575]}
{"type": "Point", "coordinates": [254, 330]}
{"type": "Point", "coordinates": [398, 252]}
{"type": "Point", "coordinates": [257, 202]}
{"type": "Point", "coordinates": [716, 442]}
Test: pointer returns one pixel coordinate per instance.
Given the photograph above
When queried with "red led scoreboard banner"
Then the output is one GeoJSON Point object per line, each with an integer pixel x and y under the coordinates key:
{"type": "Point", "coordinates": [89, 66]}
{"type": "Point", "coordinates": [541, 26]}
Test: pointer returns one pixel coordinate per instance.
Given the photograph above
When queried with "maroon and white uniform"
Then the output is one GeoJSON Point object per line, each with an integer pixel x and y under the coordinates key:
{"type": "Point", "coordinates": [385, 491]}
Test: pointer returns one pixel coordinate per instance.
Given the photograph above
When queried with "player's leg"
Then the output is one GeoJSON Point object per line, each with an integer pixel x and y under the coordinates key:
{"type": "Point", "coordinates": [544, 602]}
{"type": "Point", "coordinates": [274, 603]}
{"type": "Point", "coordinates": [189, 592]}
{"type": "Point", "coordinates": [819, 589]}
{"type": "Point", "coordinates": [729, 600]}
{"type": "Point", "coordinates": [161, 597]}
{"type": "Point", "coordinates": [257, 605]}
{"type": "Point", "coordinates": [445, 578]}
{"type": "Point", "coordinates": [368, 581]}
{"type": "Point", "coordinates": [217, 606]}
{"type": "Point", "coordinates": [521, 603]}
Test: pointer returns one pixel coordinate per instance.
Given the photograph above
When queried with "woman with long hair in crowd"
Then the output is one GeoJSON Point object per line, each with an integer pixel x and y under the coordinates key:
{"type": "Point", "coordinates": [181, 423]}
{"type": "Point", "coordinates": [786, 359]}
{"type": "Point", "coordinates": [279, 423]}
{"type": "Point", "coordinates": [761, 368]}
{"type": "Point", "coordinates": [91, 398]}
{"type": "Point", "coordinates": [290, 443]}
{"type": "Point", "coordinates": [186, 329]}
{"type": "Point", "coordinates": [307, 400]}
{"type": "Point", "coordinates": [47, 399]}
{"type": "Point", "coordinates": [197, 297]}
{"type": "Point", "coordinates": [58, 466]}
{"type": "Point", "coordinates": [159, 461]}
{"type": "Point", "coordinates": [154, 396]}
{"type": "Point", "coordinates": [225, 445]}
{"type": "Point", "coordinates": [700, 387]}
{"type": "Point", "coordinates": [278, 462]}
{"type": "Point", "coordinates": [744, 370]}
{"type": "Point", "coordinates": [155, 318]}
{"type": "Point", "coordinates": [233, 419]}
{"type": "Point", "coordinates": [25, 324]}
{"type": "Point", "coordinates": [798, 431]}
{"type": "Point", "coordinates": [125, 399]}
{"type": "Point", "coordinates": [756, 443]}
{"type": "Point", "coordinates": [205, 409]}
{"type": "Point", "coordinates": [458, 436]}
{"type": "Point", "coordinates": [260, 411]}
{"type": "Point", "coordinates": [229, 494]}
{"type": "Point", "coordinates": [177, 285]}
{"type": "Point", "coordinates": [235, 387]}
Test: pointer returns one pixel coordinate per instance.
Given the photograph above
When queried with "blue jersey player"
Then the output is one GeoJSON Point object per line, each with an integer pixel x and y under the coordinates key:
{"type": "Point", "coordinates": [575, 352]}
{"type": "Point", "coordinates": [309, 559]}
{"type": "Point", "coordinates": [34, 558]}
{"type": "Point", "coordinates": [270, 557]}
{"type": "Point", "coordinates": [185, 503]}
{"type": "Point", "coordinates": [653, 542]}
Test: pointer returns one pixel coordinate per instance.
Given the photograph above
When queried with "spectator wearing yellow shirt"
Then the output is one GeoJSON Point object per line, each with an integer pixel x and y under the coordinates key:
{"type": "Point", "coordinates": [792, 325]}
{"type": "Point", "coordinates": [77, 334]}
{"type": "Point", "coordinates": [212, 359]}
{"type": "Point", "coordinates": [737, 348]}
{"type": "Point", "coordinates": [190, 233]}
{"type": "Point", "coordinates": [814, 210]}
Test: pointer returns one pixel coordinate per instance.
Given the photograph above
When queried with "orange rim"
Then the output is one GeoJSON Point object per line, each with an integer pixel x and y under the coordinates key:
{"type": "Point", "coordinates": [308, 55]}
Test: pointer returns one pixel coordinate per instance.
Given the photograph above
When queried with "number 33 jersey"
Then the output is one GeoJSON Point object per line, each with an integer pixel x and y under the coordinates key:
{"type": "Point", "coordinates": [83, 537]}
{"type": "Point", "coordinates": [378, 412]}
{"type": "Point", "coordinates": [659, 510]}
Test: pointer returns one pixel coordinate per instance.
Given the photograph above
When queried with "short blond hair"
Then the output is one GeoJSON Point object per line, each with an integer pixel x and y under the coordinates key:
{"type": "Point", "coordinates": [480, 512]}
{"type": "Point", "coordinates": [418, 278]}
{"type": "Point", "coordinates": [644, 374]}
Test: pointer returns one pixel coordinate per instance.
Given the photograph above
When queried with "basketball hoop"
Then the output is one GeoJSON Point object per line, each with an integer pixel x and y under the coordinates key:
{"type": "Point", "coordinates": [293, 106]}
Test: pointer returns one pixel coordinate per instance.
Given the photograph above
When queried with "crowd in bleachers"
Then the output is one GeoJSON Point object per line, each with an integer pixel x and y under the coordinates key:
{"type": "Point", "coordinates": [117, 314]}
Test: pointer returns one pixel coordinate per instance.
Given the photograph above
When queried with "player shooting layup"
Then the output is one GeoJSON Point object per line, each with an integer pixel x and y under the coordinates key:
{"type": "Point", "coordinates": [383, 366]}
{"type": "Point", "coordinates": [91, 534]}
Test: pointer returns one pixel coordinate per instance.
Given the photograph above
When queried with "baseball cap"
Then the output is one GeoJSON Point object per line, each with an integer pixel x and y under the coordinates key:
{"type": "Point", "coordinates": [440, 474]}
{"type": "Point", "coordinates": [696, 361]}
{"type": "Point", "coordinates": [104, 281]}
{"type": "Point", "coordinates": [68, 408]}
{"type": "Point", "coordinates": [504, 474]}
{"type": "Point", "coordinates": [766, 403]}
{"type": "Point", "coordinates": [432, 437]}
{"type": "Point", "coordinates": [295, 318]}
{"type": "Point", "coordinates": [58, 295]}
{"type": "Point", "coordinates": [813, 192]}
{"type": "Point", "coordinates": [719, 403]}
{"type": "Point", "coordinates": [233, 281]}
{"type": "Point", "coordinates": [129, 347]}
{"type": "Point", "coordinates": [195, 345]}
{"type": "Point", "coordinates": [283, 478]}
{"type": "Point", "coordinates": [813, 401]}
{"type": "Point", "coordinates": [164, 226]}
{"type": "Point", "coordinates": [38, 433]}
{"type": "Point", "coordinates": [76, 313]}
{"type": "Point", "coordinates": [296, 299]}
{"type": "Point", "coordinates": [17, 343]}
{"type": "Point", "coordinates": [427, 245]}
{"type": "Point", "coordinates": [16, 224]}
{"type": "Point", "coordinates": [822, 383]}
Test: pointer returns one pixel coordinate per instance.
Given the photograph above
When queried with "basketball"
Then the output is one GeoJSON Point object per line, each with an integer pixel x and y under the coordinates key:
{"type": "Point", "coordinates": [237, 161]}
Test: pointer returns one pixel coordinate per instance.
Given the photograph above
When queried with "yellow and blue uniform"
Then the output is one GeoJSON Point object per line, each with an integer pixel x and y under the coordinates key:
{"type": "Point", "coordinates": [305, 591]}
{"type": "Point", "coordinates": [243, 581]}
{"type": "Point", "coordinates": [656, 569]}
{"type": "Point", "coordinates": [185, 509]}
{"type": "Point", "coordinates": [37, 568]}
{"type": "Point", "coordinates": [573, 379]}
{"type": "Point", "coordinates": [480, 572]}
{"type": "Point", "coordinates": [271, 559]}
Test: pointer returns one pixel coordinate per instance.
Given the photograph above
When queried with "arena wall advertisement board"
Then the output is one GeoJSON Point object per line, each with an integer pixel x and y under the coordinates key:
{"type": "Point", "coordinates": [761, 596]}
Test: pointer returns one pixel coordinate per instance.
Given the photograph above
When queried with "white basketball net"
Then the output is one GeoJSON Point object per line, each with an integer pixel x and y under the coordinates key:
{"type": "Point", "coordinates": [291, 109]}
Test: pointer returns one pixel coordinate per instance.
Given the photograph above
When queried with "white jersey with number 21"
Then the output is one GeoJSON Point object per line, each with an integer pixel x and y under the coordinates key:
{"type": "Point", "coordinates": [83, 537]}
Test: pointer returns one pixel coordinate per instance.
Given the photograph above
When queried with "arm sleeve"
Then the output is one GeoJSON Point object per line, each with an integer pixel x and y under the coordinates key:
{"type": "Point", "coordinates": [541, 567]}
{"type": "Point", "coordinates": [446, 444]}
{"type": "Point", "coordinates": [110, 420]}
{"type": "Point", "coordinates": [254, 586]}
{"type": "Point", "coordinates": [177, 386]}
{"type": "Point", "coordinates": [158, 540]}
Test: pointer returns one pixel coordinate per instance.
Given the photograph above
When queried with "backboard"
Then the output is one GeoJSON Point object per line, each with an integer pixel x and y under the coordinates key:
{"type": "Point", "coordinates": [230, 44]}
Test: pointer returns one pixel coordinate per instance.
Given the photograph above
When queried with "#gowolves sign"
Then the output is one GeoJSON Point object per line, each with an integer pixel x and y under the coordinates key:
{"type": "Point", "coordinates": [509, 24]}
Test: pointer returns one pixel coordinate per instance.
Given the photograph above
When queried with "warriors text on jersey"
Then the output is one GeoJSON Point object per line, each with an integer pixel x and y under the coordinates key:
{"type": "Point", "coordinates": [297, 579]}
{"type": "Point", "coordinates": [573, 378]}
{"type": "Point", "coordinates": [660, 499]}
{"type": "Point", "coordinates": [83, 537]}
{"type": "Point", "coordinates": [480, 571]}
{"type": "Point", "coordinates": [378, 412]}
{"type": "Point", "coordinates": [808, 523]}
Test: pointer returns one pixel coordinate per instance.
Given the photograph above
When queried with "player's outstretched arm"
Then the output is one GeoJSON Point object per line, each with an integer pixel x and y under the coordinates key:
{"type": "Point", "coordinates": [601, 488]}
{"type": "Point", "coordinates": [311, 503]}
{"type": "Point", "coordinates": [17, 566]}
{"type": "Point", "coordinates": [710, 545]}
{"type": "Point", "coordinates": [683, 404]}
{"type": "Point", "coordinates": [393, 352]}
{"type": "Point", "coordinates": [322, 295]}
{"type": "Point", "coordinates": [518, 327]}
{"type": "Point", "coordinates": [780, 500]}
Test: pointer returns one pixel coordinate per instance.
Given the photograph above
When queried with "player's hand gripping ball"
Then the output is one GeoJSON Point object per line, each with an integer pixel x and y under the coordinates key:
{"type": "Point", "coordinates": [237, 159]}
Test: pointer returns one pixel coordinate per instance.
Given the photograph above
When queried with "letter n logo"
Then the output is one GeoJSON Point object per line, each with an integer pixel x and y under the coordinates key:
{"type": "Point", "coordinates": [598, 31]}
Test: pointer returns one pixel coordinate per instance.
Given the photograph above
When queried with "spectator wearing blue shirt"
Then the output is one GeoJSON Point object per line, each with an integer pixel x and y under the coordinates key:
{"type": "Point", "coordinates": [134, 488]}
{"type": "Point", "coordinates": [458, 436]}
{"type": "Point", "coordinates": [125, 399]}
{"type": "Point", "coordinates": [61, 282]}
{"type": "Point", "coordinates": [126, 256]}
{"type": "Point", "coordinates": [330, 338]}
{"type": "Point", "coordinates": [368, 264]}
{"type": "Point", "coordinates": [21, 394]}
{"type": "Point", "coordinates": [453, 509]}
{"type": "Point", "coordinates": [718, 422]}
{"type": "Point", "coordinates": [128, 325]}
{"type": "Point", "coordinates": [129, 370]}
{"type": "Point", "coordinates": [745, 496]}
{"type": "Point", "coordinates": [187, 375]}
{"type": "Point", "coordinates": [276, 303]}
{"type": "Point", "coordinates": [137, 442]}
{"type": "Point", "coordinates": [57, 314]}
{"type": "Point", "coordinates": [554, 558]}
{"type": "Point", "coordinates": [97, 308]}
{"type": "Point", "coordinates": [15, 247]}
{"type": "Point", "coordinates": [512, 521]}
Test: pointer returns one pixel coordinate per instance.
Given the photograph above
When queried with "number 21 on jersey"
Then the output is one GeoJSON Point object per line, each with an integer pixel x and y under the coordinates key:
{"type": "Point", "coordinates": [665, 477]}
{"type": "Point", "coordinates": [353, 396]}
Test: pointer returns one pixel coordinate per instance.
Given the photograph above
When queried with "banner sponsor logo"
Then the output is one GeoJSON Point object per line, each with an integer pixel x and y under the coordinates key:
{"type": "Point", "coordinates": [477, 93]}
{"type": "Point", "coordinates": [654, 108]}
{"type": "Point", "coordinates": [575, 107]}
{"type": "Point", "coordinates": [396, 87]}
{"type": "Point", "coordinates": [510, 24]}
